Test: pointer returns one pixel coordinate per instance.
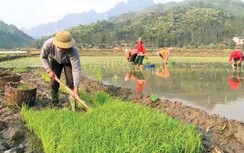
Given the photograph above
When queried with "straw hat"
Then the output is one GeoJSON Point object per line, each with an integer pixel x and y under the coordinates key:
{"type": "Point", "coordinates": [64, 40]}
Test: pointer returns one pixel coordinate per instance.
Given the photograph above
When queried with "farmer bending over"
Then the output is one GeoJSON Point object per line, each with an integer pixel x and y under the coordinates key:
{"type": "Point", "coordinates": [236, 57]}
{"type": "Point", "coordinates": [131, 55]}
{"type": "Point", "coordinates": [62, 54]}
{"type": "Point", "coordinates": [164, 54]}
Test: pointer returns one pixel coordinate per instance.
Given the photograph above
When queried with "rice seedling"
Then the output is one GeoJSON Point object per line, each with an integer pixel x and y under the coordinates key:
{"type": "Point", "coordinates": [62, 89]}
{"type": "Point", "coordinates": [98, 75]}
{"type": "Point", "coordinates": [23, 87]}
{"type": "Point", "coordinates": [115, 78]}
{"type": "Point", "coordinates": [45, 77]}
{"type": "Point", "coordinates": [112, 126]}
{"type": "Point", "coordinates": [20, 70]}
{"type": "Point", "coordinates": [22, 62]}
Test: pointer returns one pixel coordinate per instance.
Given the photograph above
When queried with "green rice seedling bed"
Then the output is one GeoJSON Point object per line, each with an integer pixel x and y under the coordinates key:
{"type": "Point", "coordinates": [112, 126]}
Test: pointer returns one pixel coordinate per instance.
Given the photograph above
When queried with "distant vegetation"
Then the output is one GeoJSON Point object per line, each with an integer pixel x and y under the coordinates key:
{"type": "Point", "coordinates": [12, 37]}
{"type": "Point", "coordinates": [191, 23]}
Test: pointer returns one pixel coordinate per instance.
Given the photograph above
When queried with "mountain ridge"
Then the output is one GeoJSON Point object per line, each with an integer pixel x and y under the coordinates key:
{"type": "Point", "coordinates": [12, 37]}
{"type": "Point", "coordinates": [86, 18]}
{"type": "Point", "coordinates": [177, 24]}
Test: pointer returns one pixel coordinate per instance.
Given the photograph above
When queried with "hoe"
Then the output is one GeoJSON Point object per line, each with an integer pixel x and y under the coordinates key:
{"type": "Point", "coordinates": [72, 93]}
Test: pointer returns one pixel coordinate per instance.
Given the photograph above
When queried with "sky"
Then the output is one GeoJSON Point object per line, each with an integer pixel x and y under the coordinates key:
{"type": "Point", "coordinates": [29, 13]}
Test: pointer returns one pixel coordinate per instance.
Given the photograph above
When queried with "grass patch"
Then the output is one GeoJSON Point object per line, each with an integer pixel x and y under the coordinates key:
{"type": "Point", "coordinates": [112, 126]}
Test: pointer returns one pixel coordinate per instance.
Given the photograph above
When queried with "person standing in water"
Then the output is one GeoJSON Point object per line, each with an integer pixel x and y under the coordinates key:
{"type": "Point", "coordinates": [141, 52]}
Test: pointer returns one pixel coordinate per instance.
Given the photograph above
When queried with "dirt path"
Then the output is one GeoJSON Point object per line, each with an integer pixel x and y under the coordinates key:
{"type": "Point", "coordinates": [218, 133]}
{"type": "Point", "coordinates": [14, 136]}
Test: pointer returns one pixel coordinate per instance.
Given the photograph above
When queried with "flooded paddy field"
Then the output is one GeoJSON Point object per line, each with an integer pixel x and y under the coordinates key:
{"type": "Point", "coordinates": [182, 84]}
{"type": "Point", "coordinates": [213, 87]}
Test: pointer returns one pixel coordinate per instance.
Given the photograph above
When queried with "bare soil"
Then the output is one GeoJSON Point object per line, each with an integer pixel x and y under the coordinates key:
{"type": "Point", "coordinates": [218, 133]}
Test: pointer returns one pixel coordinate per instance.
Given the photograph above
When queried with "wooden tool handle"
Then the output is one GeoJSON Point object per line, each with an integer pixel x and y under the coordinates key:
{"type": "Point", "coordinates": [71, 92]}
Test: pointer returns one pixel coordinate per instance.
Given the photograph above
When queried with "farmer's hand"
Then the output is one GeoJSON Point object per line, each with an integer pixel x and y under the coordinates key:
{"type": "Point", "coordinates": [51, 74]}
{"type": "Point", "coordinates": [75, 92]}
{"type": "Point", "coordinates": [140, 54]}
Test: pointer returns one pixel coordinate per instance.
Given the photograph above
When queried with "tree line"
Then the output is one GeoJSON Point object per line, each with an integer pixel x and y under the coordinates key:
{"type": "Point", "coordinates": [180, 27]}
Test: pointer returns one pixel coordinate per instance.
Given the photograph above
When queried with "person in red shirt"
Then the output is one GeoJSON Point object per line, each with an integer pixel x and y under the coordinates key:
{"type": "Point", "coordinates": [236, 58]}
{"type": "Point", "coordinates": [141, 52]}
{"type": "Point", "coordinates": [131, 55]}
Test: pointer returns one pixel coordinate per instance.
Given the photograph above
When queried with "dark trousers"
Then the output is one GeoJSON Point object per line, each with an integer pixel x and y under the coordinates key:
{"type": "Point", "coordinates": [133, 58]}
{"type": "Point", "coordinates": [139, 59]}
{"type": "Point", "coordinates": [57, 69]}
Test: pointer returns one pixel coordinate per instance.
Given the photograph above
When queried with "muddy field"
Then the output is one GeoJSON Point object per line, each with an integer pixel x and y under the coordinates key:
{"type": "Point", "coordinates": [218, 133]}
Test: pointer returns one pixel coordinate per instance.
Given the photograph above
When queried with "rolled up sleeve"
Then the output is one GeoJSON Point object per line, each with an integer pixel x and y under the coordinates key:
{"type": "Point", "coordinates": [76, 67]}
{"type": "Point", "coordinates": [44, 57]}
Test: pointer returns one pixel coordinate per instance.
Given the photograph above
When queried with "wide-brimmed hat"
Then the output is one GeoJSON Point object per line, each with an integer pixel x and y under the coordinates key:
{"type": "Point", "coordinates": [64, 40]}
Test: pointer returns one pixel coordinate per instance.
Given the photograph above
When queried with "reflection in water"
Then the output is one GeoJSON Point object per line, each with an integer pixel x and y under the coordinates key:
{"type": "Point", "coordinates": [164, 73]}
{"type": "Point", "coordinates": [138, 77]}
{"type": "Point", "coordinates": [203, 87]}
{"type": "Point", "coordinates": [129, 75]}
{"type": "Point", "coordinates": [235, 80]}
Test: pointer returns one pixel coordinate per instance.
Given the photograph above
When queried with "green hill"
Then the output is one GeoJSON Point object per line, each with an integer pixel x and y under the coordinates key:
{"type": "Point", "coordinates": [187, 23]}
{"type": "Point", "coordinates": [234, 7]}
{"type": "Point", "coordinates": [12, 37]}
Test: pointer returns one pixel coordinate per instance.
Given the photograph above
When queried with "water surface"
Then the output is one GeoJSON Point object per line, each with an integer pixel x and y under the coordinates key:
{"type": "Point", "coordinates": [217, 90]}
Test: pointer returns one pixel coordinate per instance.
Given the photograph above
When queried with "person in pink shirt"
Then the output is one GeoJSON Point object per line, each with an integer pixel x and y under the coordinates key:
{"type": "Point", "coordinates": [236, 58]}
